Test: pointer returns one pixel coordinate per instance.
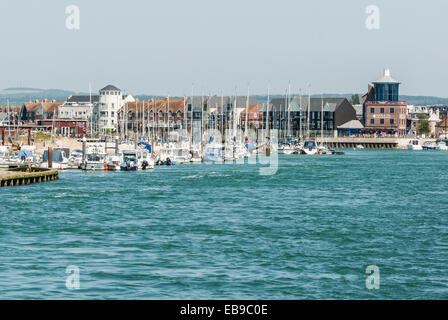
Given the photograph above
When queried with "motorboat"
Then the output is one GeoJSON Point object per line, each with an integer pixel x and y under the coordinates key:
{"type": "Point", "coordinates": [114, 162]}
{"type": "Point", "coordinates": [441, 146]}
{"type": "Point", "coordinates": [144, 160]}
{"type": "Point", "coordinates": [309, 148]}
{"type": "Point", "coordinates": [285, 149]}
{"type": "Point", "coordinates": [213, 152]}
{"type": "Point", "coordinates": [414, 145]}
{"type": "Point", "coordinates": [195, 156]}
{"type": "Point", "coordinates": [129, 162]}
{"type": "Point", "coordinates": [60, 159]}
{"type": "Point", "coordinates": [75, 158]}
{"type": "Point", "coordinates": [96, 159]}
{"type": "Point", "coordinates": [7, 159]}
{"type": "Point", "coordinates": [429, 145]}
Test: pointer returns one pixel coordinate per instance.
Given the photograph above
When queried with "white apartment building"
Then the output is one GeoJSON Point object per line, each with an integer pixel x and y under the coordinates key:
{"type": "Point", "coordinates": [110, 101]}
{"type": "Point", "coordinates": [99, 111]}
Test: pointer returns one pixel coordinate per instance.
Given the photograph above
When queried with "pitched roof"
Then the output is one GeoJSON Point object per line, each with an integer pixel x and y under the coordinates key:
{"type": "Point", "coordinates": [386, 78]}
{"type": "Point", "coordinates": [110, 88]}
{"type": "Point", "coordinates": [82, 98]}
{"type": "Point", "coordinates": [31, 106]}
{"type": "Point", "coordinates": [352, 124]}
{"type": "Point", "coordinates": [51, 106]}
{"type": "Point", "coordinates": [6, 109]}
{"type": "Point", "coordinates": [330, 104]}
{"type": "Point", "coordinates": [220, 103]}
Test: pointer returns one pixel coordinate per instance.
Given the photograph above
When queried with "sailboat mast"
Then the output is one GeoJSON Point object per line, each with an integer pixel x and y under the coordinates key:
{"type": "Point", "coordinates": [168, 119]}
{"type": "Point", "coordinates": [234, 117]}
{"type": "Point", "coordinates": [308, 115]}
{"type": "Point", "coordinates": [322, 121]}
{"type": "Point", "coordinates": [222, 113]}
{"type": "Point", "coordinates": [289, 110]}
{"type": "Point", "coordinates": [300, 115]}
{"type": "Point", "coordinates": [191, 114]}
{"type": "Point", "coordinates": [247, 113]}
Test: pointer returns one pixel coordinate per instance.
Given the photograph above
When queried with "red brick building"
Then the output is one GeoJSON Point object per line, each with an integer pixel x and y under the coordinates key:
{"type": "Point", "coordinates": [254, 117]}
{"type": "Point", "coordinates": [383, 111]}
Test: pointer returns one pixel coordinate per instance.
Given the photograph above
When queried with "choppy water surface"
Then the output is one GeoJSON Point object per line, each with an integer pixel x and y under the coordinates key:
{"type": "Point", "coordinates": [223, 231]}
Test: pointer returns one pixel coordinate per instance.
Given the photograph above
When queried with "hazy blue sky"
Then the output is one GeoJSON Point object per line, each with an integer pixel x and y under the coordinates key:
{"type": "Point", "coordinates": [161, 47]}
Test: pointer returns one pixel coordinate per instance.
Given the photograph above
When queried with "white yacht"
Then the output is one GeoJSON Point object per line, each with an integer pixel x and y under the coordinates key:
{"type": "Point", "coordinates": [441, 146]}
{"type": "Point", "coordinates": [309, 148]}
{"type": "Point", "coordinates": [285, 149]}
{"type": "Point", "coordinates": [60, 159]}
{"type": "Point", "coordinates": [415, 145]}
{"type": "Point", "coordinates": [429, 145]}
{"type": "Point", "coordinates": [7, 159]}
{"type": "Point", "coordinates": [95, 160]}
{"type": "Point", "coordinates": [213, 152]}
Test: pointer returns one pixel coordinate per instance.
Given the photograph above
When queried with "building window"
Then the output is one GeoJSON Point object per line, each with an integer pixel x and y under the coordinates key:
{"type": "Point", "coordinates": [372, 121]}
{"type": "Point", "coordinates": [391, 121]}
{"type": "Point", "coordinates": [372, 110]}
{"type": "Point", "coordinates": [392, 110]}
{"type": "Point", "coordinates": [382, 110]}
{"type": "Point", "coordinates": [382, 121]}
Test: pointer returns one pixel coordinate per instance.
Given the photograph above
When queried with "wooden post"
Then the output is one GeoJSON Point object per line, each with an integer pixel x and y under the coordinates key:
{"type": "Point", "coordinates": [50, 157]}
{"type": "Point", "coordinates": [3, 136]}
{"type": "Point", "coordinates": [29, 136]}
{"type": "Point", "coordinates": [84, 149]}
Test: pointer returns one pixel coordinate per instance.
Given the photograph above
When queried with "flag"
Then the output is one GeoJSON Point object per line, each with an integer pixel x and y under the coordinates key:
{"type": "Point", "coordinates": [80, 124]}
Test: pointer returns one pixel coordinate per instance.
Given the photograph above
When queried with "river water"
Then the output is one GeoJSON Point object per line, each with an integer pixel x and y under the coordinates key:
{"type": "Point", "coordinates": [223, 231]}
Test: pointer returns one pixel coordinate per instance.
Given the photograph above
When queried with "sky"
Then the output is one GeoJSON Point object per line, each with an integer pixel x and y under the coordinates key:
{"type": "Point", "coordinates": [174, 46]}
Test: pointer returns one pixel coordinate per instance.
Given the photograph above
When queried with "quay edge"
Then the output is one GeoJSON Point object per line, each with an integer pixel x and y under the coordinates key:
{"type": "Point", "coordinates": [20, 178]}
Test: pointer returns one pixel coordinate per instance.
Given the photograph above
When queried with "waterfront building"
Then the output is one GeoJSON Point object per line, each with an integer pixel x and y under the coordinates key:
{"type": "Point", "coordinates": [151, 116]}
{"type": "Point", "coordinates": [39, 111]}
{"type": "Point", "coordinates": [383, 111]}
{"type": "Point", "coordinates": [110, 101]}
{"type": "Point", "coordinates": [79, 108]}
{"type": "Point", "coordinates": [254, 117]}
{"type": "Point", "coordinates": [441, 130]}
{"type": "Point", "coordinates": [217, 111]}
{"type": "Point", "coordinates": [9, 115]}
{"type": "Point", "coordinates": [335, 111]}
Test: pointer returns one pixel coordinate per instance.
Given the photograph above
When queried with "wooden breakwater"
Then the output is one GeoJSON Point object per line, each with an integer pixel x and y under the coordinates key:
{"type": "Point", "coordinates": [25, 176]}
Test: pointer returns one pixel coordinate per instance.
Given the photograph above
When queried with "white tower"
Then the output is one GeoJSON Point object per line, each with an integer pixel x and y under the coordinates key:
{"type": "Point", "coordinates": [110, 101]}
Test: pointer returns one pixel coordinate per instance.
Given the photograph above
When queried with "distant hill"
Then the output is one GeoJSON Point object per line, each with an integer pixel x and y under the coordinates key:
{"type": "Point", "coordinates": [17, 96]}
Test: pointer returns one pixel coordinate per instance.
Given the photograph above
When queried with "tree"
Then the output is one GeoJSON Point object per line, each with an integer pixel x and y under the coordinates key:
{"type": "Point", "coordinates": [355, 99]}
{"type": "Point", "coordinates": [423, 125]}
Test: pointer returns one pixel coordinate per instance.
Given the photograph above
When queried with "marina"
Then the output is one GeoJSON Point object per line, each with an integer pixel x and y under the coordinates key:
{"type": "Point", "coordinates": [222, 231]}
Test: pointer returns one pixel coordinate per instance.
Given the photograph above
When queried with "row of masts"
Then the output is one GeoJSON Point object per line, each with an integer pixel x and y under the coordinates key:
{"type": "Point", "coordinates": [154, 131]}
{"type": "Point", "coordinates": [144, 130]}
